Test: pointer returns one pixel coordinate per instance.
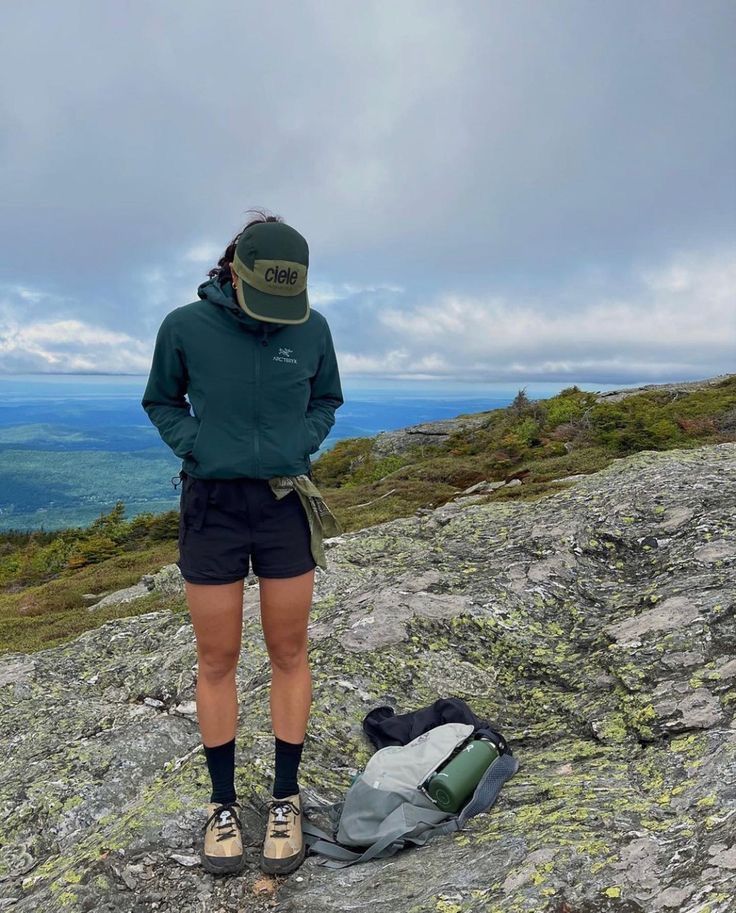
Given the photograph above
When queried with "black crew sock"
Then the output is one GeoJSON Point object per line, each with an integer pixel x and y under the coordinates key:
{"type": "Point", "coordinates": [221, 765]}
{"type": "Point", "coordinates": [288, 756]}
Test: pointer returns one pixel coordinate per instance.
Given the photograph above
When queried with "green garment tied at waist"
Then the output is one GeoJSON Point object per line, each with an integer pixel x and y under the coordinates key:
{"type": "Point", "coordinates": [322, 522]}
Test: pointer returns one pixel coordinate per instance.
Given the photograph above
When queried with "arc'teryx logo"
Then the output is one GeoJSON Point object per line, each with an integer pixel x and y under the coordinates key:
{"type": "Point", "coordinates": [284, 356]}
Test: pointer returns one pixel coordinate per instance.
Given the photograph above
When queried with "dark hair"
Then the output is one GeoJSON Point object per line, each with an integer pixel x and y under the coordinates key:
{"type": "Point", "coordinates": [221, 272]}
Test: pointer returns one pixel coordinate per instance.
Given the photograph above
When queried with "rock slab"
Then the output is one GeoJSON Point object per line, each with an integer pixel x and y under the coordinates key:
{"type": "Point", "coordinates": [595, 626]}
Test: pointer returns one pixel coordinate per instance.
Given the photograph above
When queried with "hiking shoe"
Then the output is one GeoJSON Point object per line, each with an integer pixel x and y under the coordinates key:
{"type": "Point", "coordinates": [283, 847]}
{"type": "Point", "coordinates": [222, 852]}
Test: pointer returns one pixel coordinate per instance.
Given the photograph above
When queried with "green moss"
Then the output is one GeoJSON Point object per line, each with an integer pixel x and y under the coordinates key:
{"type": "Point", "coordinates": [651, 824]}
{"type": "Point", "coordinates": [635, 712]}
{"type": "Point", "coordinates": [72, 802]}
{"type": "Point", "coordinates": [693, 745]}
{"type": "Point", "coordinates": [613, 729]}
{"type": "Point", "coordinates": [445, 906]}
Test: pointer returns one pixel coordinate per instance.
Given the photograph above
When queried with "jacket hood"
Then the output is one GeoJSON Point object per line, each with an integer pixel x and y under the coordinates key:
{"type": "Point", "coordinates": [223, 295]}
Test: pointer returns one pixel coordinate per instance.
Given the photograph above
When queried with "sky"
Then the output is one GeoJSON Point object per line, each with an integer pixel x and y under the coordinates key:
{"type": "Point", "coordinates": [490, 191]}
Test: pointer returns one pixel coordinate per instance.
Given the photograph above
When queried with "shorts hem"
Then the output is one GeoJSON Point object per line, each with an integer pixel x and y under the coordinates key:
{"type": "Point", "coordinates": [214, 582]}
{"type": "Point", "coordinates": [293, 572]}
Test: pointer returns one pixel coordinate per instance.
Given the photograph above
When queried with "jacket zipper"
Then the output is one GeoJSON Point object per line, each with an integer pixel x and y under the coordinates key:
{"type": "Point", "coordinates": [264, 342]}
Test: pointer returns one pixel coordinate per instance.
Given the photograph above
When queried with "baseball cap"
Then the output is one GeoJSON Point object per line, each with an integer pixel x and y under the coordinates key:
{"type": "Point", "coordinates": [271, 260]}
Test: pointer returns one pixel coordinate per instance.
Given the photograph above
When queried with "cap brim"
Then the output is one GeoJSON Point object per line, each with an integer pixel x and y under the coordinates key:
{"type": "Point", "coordinates": [272, 308]}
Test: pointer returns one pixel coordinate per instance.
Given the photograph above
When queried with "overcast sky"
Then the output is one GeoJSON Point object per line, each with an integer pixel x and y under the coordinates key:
{"type": "Point", "coordinates": [490, 190]}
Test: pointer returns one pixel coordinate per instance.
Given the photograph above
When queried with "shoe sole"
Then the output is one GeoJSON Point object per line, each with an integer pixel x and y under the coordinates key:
{"type": "Point", "coordinates": [222, 865]}
{"type": "Point", "coordinates": [283, 866]}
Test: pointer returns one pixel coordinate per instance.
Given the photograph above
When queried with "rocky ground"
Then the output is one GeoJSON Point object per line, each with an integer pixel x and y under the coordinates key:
{"type": "Point", "coordinates": [596, 627]}
{"type": "Point", "coordinates": [680, 388]}
{"type": "Point", "coordinates": [389, 443]}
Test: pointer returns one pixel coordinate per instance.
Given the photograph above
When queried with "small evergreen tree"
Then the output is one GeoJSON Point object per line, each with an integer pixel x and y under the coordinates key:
{"type": "Point", "coordinates": [520, 402]}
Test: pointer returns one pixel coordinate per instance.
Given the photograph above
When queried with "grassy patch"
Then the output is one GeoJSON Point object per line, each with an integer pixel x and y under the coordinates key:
{"type": "Point", "coordinates": [44, 574]}
{"type": "Point", "coordinates": [541, 441]}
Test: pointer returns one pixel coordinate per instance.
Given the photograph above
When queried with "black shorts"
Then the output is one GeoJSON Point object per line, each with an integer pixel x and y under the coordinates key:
{"type": "Point", "coordinates": [225, 522]}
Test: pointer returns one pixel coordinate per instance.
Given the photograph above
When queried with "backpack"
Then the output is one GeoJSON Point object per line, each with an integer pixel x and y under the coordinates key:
{"type": "Point", "coordinates": [385, 809]}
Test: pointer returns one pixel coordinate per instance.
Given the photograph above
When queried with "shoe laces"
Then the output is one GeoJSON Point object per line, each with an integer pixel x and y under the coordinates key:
{"type": "Point", "coordinates": [224, 818]}
{"type": "Point", "coordinates": [279, 811]}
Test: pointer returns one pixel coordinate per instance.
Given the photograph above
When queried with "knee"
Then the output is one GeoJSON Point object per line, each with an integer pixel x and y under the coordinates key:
{"type": "Point", "coordinates": [288, 655]}
{"type": "Point", "coordinates": [217, 665]}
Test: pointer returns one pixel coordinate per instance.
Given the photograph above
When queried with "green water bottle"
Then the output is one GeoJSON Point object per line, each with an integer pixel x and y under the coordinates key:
{"type": "Point", "coordinates": [452, 784]}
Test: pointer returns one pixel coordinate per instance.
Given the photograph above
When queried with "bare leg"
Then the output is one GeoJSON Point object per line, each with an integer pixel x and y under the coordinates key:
{"type": "Point", "coordinates": [285, 605]}
{"type": "Point", "coordinates": [217, 617]}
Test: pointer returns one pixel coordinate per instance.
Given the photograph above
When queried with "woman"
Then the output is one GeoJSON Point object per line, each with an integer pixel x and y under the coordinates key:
{"type": "Point", "coordinates": [260, 371]}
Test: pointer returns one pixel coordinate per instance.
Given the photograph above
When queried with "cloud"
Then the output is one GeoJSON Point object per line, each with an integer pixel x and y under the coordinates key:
{"type": "Point", "coordinates": [205, 252]}
{"type": "Point", "coordinates": [417, 141]}
{"type": "Point", "coordinates": [323, 294]}
{"type": "Point", "coordinates": [67, 346]}
{"type": "Point", "coordinates": [486, 188]}
{"type": "Point", "coordinates": [679, 321]}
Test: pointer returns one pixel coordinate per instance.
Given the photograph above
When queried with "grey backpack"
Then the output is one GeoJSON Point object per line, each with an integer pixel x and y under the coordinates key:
{"type": "Point", "coordinates": [385, 809]}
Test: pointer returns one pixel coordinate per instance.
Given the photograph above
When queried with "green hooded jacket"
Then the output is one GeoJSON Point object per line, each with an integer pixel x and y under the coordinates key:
{"type": "Point", "coordinates": [264, 394]}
